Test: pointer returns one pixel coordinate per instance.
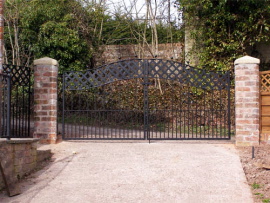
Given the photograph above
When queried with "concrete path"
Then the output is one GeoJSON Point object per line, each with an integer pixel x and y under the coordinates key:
{"type": "Point", "coordinates": [137, 172]}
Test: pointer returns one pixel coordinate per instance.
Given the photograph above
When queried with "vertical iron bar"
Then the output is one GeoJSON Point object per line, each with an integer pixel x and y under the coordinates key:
{"type": "Point", "coordinates": [196, 115]}
{"type": "Point", "coordinates": [204, 110]}
{"type": "Point", "coordinates": [87, 121]}
{"type": "Point", "coordinates": [4, 106]}
{"type": "Point", "coordinates": [104, 122]}
{"type": "Point", "coordinates": [110, 119]}
{"type": "Point", "coordinates": [188, 112]}
{"type": "Point", "coordinates": [17, 113]}
{"type": "Point", "coordinates": [229, 104]}
{"type": "Point", "coordinates": [160, 131]}
{"type": "Point", "coordinates": [75, 119]}
{"type": "Point", "coordinates": [172, 115]}
{"type": "Point", "coordinates": [26, 123]}
{"type": "Point", "coordinates": [145, 98]}
{"type": "Point", "coordinates": [200, 119]}
{"type": "Point", "coordinates": [8, 106]}
{"type": "Point", "coordinates": [180, 113]}
{"type": "Point", "coordinates": [168, 112]}
{"type": "Point", "coordinates": [13, 117]}
{"type": "Point", "coordinates": [85, 116]}
{"type": "Point", "coordinates": [29, 102]}
{"type": "Point", "coordinates": [95, 113]}
{"type": "Point", "coordinates": [20, 111]}
{"type": "Point", "coordinates": [99, 134]}
{"type": "Point", "coordinates": [220, 114]}
{"type": "Point", "coordinates": [184, 119]}
{"type": "Point", "coordinates": [63, 106]}
{"type": "Point", "coordinates": [176, 122]}
{"type": "Point", "coordinates": [115, 123]}
{"type": "Point", "coordinates": [192, 118]}
{"type": "Point", "coordinates": [107, 123]}
{"type": "Point", "coordinates": [212, 113]}
{"type": "Point", "coordinates": [24, 114]}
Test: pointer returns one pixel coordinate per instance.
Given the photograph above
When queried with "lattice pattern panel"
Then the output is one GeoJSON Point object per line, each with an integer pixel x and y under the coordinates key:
{"type": "Point", "coordinates": [153, 68]}
{"type": "Point", "coordinates": [122, 70]}
{"type": "Point", "coordinates": [20, 75]}
{"type": "Point", "coordinates": [188, 75]}
{"type": "Point", "coordinates": [265, 81]}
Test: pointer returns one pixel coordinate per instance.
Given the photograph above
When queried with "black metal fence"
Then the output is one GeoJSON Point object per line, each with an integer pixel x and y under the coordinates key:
{"type": "Point", "coordinates": [17, 102]}
{"type": "Point", "coordinates": [146, 99]}
{"type": "Point", "coordinates": [5, 98]}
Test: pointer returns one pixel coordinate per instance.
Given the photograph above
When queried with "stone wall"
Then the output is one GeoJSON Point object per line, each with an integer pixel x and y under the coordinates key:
{"type": "Point", "coordinates": [112, 53]}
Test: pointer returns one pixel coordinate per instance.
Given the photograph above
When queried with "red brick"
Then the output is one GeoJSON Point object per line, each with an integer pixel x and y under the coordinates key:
{"type": "Point", "coordinates": [244, 122]}
{"type": "Point", "coordinates": [48, 119]}
{"type": "Point", "coordinates": [252, 138]}
{"type": "Point", "coordinates": [242, 78]}
{"type": "Point", "coordinates": [49, 107]}
{"type": "Point", "coordinates": [242, 89]}
{"type": "Point", "coordinates": [252, 105]}
{"type": "Point", "coordinates": [41, 113]}
{"type": "Point", "coordinates": [243, 132]}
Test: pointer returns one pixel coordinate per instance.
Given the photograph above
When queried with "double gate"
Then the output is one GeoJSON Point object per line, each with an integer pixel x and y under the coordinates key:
{"type": "Point", "coordinates": [150, 99]}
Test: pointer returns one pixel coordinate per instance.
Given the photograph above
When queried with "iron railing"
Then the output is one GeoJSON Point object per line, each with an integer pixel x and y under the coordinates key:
{"type": "Point", "coordinates": [5, 107]}
{"type": "Point", "coordinates": [17, 102]}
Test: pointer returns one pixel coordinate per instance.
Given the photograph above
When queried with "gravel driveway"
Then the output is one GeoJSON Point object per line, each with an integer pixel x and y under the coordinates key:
{"type": "Point", "coordinates": [137, 172]}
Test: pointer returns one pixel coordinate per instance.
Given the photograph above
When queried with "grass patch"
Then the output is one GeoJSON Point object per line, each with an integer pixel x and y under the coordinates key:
{"type": "Point", "coordinates": [259, 195]}
{"type": "Point", "coordinates": [255, 186]}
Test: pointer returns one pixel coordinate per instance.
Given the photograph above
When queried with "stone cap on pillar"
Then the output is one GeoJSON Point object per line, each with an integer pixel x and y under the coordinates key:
{"type": "Point", "coordinates": [46, 61]}
{"type": "Point", "coordinates": [247, 60]}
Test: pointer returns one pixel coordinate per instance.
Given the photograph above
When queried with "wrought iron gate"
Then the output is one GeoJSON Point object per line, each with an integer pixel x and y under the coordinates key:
{"type": "Point", "coordinates": [146, 99]}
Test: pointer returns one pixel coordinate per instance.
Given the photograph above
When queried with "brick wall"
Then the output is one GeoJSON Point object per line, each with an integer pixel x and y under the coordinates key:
{"type": "Point", "coordinates": [112, 53]}
{"type": "Point", "coordinates": [18, 158]}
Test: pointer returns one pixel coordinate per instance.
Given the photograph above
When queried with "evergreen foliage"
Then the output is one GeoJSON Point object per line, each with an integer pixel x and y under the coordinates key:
{"type": "Point", "coordinates": [226, 29]}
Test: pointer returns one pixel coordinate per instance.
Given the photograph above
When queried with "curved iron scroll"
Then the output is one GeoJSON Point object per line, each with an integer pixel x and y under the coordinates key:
{"type": "Point", "coordinates": [141, 68]}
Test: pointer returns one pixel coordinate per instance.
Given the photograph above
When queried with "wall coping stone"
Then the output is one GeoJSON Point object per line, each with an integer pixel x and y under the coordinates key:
{"type": "Point", "coordinates": [19, 140]}
{"type": "Point", "coordinates": [247, 60]}
{"type": "Point", "coordinates": [46, 61]}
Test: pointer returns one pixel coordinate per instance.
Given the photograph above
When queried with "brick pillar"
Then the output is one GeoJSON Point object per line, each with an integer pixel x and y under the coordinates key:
{"type": "Point", "coordinates": [45, 97]}
{"type": "Point", "coordinates": [247, 107]}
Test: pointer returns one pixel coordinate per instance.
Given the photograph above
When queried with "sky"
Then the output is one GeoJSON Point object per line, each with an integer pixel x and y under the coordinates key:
{"type": "Point", "coordinates": [139, 6]}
